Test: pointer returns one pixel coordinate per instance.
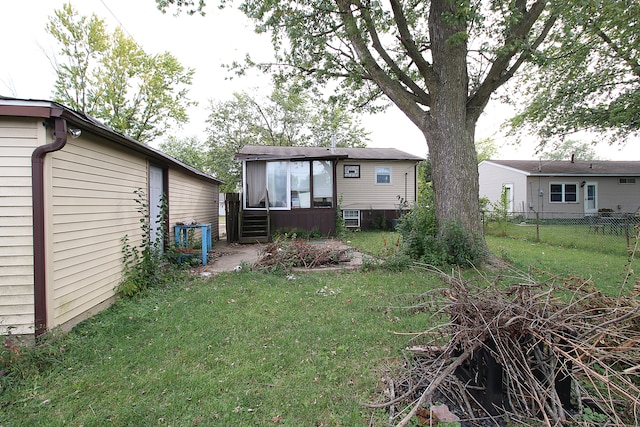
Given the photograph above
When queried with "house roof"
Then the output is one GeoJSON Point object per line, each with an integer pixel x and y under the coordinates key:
{"type": "Point", "coordinates": [265, 152]}
{"type": "Point", "coordinates": [569, 168]}
{"type": "Point", "coordinates": [48, 109]}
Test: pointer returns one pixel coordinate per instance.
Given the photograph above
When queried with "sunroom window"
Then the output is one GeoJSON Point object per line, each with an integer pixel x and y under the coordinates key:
{"type": "Point", "coordinates": [290, 185]}
{"type": "Point", "coordinates": [300, 185]}
{"type": "Point", "coordinates": [322, 184]}
{"type": "Point", "coordinates": [277, 184]}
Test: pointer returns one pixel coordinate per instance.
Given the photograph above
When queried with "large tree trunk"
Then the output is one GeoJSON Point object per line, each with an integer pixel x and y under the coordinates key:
{"type": "Point", "coordinates": [454, 174]}
{"type": "Point", "coordinates": [449, 128]}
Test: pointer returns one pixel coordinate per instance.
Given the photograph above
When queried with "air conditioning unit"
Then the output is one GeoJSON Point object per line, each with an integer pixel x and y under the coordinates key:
{"type": "Point", "coordinates": [351, 218]}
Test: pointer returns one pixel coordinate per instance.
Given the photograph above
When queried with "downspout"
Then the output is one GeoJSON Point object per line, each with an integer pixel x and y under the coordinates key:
{"type": "Point", "coordinates": [38, 202]}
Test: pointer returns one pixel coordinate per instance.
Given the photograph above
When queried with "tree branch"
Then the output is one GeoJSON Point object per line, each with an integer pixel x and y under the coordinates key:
{"type": "Point", "coordinates": [635, 67]}
{"type": "Point", "coordinates": [500, 70]}
{"type": "Point", "coordinates": [407, 41]}
{"type": "Point", "coordinates": [390, 87]}
{"type": "Point", "coordinates": [418, 92]}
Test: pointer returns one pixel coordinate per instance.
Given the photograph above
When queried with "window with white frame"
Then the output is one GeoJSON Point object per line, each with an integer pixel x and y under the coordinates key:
{"type": "Point", "coordinates": [383, 174]}
{"type": "Point", "coordinates": [563, 193]}
{"type": "Point", "coordinates": [351, 217]}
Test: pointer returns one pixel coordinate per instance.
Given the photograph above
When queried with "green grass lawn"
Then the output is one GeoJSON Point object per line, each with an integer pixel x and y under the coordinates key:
{"type": "Point", "coordinates": [250, 348]}
{"type": "Point", "coordinates": [239, 349]}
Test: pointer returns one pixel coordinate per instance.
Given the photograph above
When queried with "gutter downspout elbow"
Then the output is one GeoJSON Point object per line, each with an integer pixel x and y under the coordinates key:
{"type": "Point", "coordinates": [38, 206]}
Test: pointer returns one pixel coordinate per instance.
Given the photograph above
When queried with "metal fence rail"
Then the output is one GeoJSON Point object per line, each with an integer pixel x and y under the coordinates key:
{"type": "Point", "coordinates": [613, 229]}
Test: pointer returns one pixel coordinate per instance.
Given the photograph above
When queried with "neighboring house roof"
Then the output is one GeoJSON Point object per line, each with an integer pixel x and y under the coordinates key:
{"type": "Point", "coordinates": [270, 152]}
{"type": "Point", "coordinates": [568, 168]}
{"type": "Point", "coordinates": [47, 109]}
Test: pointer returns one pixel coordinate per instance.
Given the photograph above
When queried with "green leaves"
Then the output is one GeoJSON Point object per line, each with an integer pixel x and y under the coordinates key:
{"type": "Point", "coordinates": [588, 76]}
{"type": "Point", "coordinates": [110, 77]}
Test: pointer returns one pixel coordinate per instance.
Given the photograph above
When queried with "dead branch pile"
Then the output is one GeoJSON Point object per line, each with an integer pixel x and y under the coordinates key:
{"type": "Point", "coordinates": [291, 253]}
{"type": "Point", "coordinates": [557, 353]}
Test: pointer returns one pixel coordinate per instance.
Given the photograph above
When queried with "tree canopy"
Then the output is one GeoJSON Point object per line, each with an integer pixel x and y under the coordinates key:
{"type": "Point", "coordinates": [108, 76]}
{"type": "Point", "coordinates": [588, 76]}
{"type": "Point", "coordinates": [289, 116]}
{"type": "Point", "coordinates": [570, 149]}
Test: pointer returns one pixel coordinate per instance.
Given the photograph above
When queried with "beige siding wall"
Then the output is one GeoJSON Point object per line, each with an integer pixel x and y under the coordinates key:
{"type": "Point", "coordinates": [18, 139]}
{"type": "Point", "coordinates": [192, 199]}
{"type": "Point", "coordinates": [365, 193]}
{"type": "Point", "coordinates": [90, 208]}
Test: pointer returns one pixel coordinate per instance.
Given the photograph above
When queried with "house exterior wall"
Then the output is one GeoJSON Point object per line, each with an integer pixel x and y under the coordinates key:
{"type": "Point", "coordinates": [622, 198]}
{"type": "Point", "coordinates": [531, 193]}
{"type": "Point", "coordinates": [491, 180]}
{"type": "Point", "coordinates": [18, 138]}
{"type": "Point", "coordinates": [191, 199]}
{"type": "Point", "coordinates": [619, 197]}
{"type": "Point", "coordinates": [90, 206]}
{"type": "Point", "coordinates": [364, 193]}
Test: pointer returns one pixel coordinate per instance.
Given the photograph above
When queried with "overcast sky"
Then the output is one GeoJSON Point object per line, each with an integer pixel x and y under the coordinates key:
{"type": "Point", "coordinates": [205, 44]}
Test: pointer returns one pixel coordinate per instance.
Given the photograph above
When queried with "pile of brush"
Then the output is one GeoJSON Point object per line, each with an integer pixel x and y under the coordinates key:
{"type": "Point", "coordinates": [528, 353]}
{"type": "Point", "coordinates": [287, 253]}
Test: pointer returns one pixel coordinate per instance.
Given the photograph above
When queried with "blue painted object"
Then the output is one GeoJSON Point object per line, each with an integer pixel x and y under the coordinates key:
{"type": "Point", "coordinates": [180, 232]}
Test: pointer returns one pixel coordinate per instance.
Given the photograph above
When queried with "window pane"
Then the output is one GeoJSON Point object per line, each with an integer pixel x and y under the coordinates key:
{"type": "Point", "coordinates": [556, 193]}
{"type": "Point", "coordinates": [383, 175]}
{"type": "Point", "coordinates": [570, 193]}
{"type": "Point", "coordinates": [256, 184]}
{"type": "Point", "coordinates": [322, 184]}
{"type": "Point", "coordinates": [300, 184]}
{"type": "Point", "coordinates": [277, 183]}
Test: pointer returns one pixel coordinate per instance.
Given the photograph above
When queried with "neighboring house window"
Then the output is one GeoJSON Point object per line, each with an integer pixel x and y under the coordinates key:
{"type": "Point", "coordinates": [627, 180]}
{"type": "Point", "coordinates": [563, 193]}
{"type": "Point", "coordinates": [322, 184]}
{"type": "Point", "coordinates": [383, 175]}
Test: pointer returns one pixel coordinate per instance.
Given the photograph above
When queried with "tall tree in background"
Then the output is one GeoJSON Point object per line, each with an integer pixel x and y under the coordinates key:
{"type": "Point", "coordinates": [569, 149]}
{"type": "Point", "coordinates": [289, 116]}
{"type": "Point", "coordinates": [109, 76]}
{"type": "Point", "coordinates": [438, 61]}
{"type": "Point", "coordinates": [589, 76]}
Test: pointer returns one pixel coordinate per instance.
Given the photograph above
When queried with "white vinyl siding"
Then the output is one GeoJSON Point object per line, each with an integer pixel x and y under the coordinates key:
{"type": "Point", "coordinates": [18, 139]}
{"type": "Point", "coordinates": [90, 207]}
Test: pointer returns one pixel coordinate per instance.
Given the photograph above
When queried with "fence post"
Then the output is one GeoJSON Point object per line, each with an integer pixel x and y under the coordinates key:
{"type": "Point", "coordinates": [537, 227]}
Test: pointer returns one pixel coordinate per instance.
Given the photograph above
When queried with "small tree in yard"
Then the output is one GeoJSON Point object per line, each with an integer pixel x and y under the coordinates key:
{"type": "Point", "coordinates": [500, 212]}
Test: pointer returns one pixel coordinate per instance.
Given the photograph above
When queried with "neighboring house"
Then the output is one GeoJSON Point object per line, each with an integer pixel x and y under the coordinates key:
{"type": "Point", "coordinates": [562, 188]}
{"type": "Point", "coordinates": [302, 187]}
{"type": "Point", "coordinates": [67, 200]}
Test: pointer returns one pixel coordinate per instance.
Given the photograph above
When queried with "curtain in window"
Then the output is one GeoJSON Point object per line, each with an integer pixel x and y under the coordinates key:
{"type": "Point", "coordinates": [256, 184]}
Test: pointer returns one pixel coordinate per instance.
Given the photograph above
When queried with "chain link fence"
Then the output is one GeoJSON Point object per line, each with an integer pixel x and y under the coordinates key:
{"type": "Point", "coordinates": [607, 231]}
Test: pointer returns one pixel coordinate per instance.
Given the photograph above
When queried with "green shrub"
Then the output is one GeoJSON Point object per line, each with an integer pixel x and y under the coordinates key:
{"type": "Point", "coordinates": [422, 242]}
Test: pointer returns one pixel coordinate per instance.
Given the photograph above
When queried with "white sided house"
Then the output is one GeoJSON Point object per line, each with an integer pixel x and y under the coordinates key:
{"type": "Point", "coordinates": [67, 200]}
{"type": "Point", "coordinates": [302, 188]}
{"type": "Point", "coordinates": [556, 189]}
